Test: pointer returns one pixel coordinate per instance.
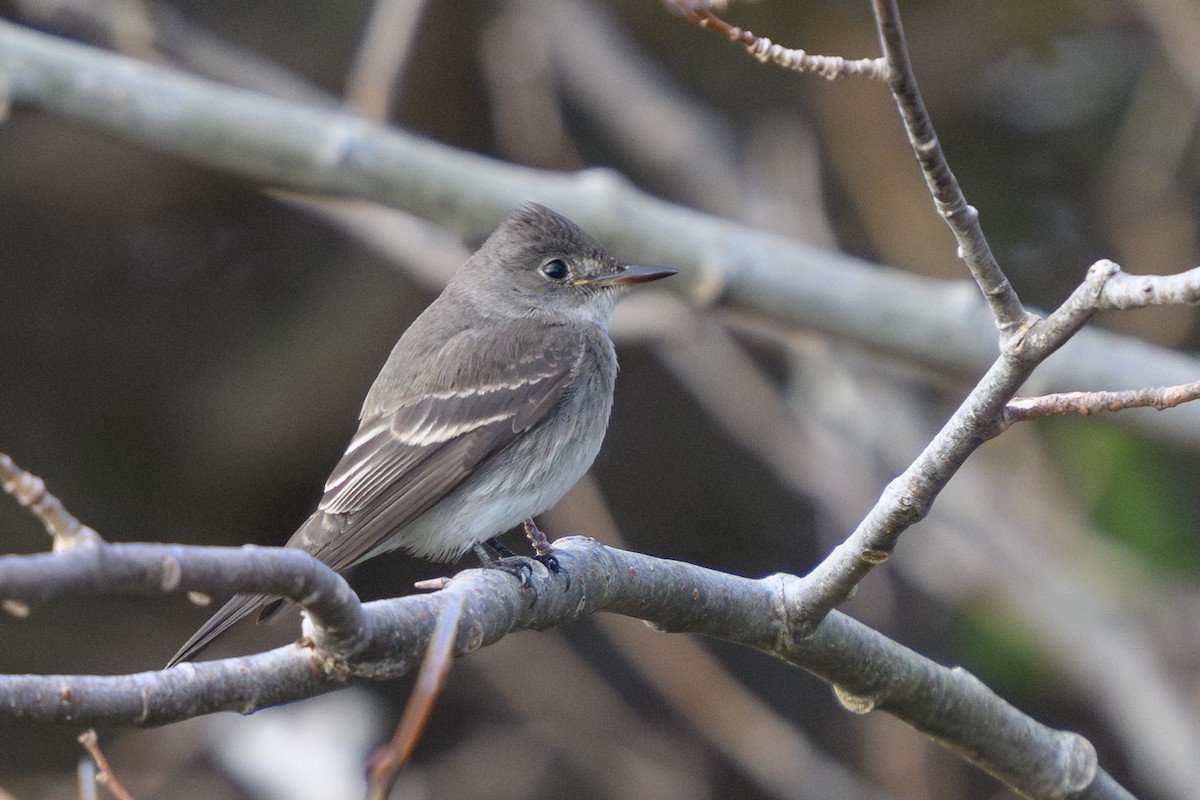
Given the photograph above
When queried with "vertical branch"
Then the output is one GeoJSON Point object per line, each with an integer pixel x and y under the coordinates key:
{"type": "Point", "coordinates": [961, 217]}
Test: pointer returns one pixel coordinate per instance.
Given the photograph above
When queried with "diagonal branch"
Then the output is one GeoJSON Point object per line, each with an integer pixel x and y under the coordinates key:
{"type": "Point", "coordinates": [385, 765]}
{"type": "Point", "coordinates": [91, 743]}
{"type": "Point", "coordinates": [981, 416]}
{"type": "Point", "coordinates": [66, 531]}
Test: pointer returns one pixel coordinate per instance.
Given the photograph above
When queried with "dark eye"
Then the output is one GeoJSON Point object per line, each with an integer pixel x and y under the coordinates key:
{"type": "Point", "coordinates": [555, 270]}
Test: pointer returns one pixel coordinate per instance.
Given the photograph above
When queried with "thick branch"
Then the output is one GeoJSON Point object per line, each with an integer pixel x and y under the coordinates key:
{"type": "Point", "coordinates": [868, 669]}
{"type": "Point", "coordinates": [151, 569]}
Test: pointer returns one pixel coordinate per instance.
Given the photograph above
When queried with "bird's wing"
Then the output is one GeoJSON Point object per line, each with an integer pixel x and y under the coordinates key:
{"type": "Point", "coordinates": [406, 458]}
{"type": "Point", "coordinates": [218, 623]}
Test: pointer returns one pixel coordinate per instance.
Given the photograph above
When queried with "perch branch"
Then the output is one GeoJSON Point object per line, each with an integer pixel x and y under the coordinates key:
{"type": "Point", "coordinates": [868, 670]}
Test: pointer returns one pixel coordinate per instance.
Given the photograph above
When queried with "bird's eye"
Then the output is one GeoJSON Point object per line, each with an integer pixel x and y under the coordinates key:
{"type": "Point", "coordinates": [555, 270]}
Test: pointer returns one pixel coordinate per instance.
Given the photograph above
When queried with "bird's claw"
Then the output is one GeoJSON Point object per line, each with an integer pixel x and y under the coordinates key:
{"type": "Point", "coordinates": [551, 562]}
{"type": "Point", "coordinates": [494, 555]}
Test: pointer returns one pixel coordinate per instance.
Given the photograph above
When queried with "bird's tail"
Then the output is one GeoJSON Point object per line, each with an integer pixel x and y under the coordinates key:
{"type": "Point", "coordinates": [218, 623]}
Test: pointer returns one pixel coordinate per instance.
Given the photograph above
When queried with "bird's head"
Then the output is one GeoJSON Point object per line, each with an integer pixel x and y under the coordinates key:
{"type": "Point", "coordinates": [539, 262]}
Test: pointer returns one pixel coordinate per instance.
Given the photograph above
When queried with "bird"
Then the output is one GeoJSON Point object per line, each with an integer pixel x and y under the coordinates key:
{"type": "Point", "coordinates": [491, 406]}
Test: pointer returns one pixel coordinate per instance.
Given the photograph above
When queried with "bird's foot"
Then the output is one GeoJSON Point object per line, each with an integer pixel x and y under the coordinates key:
{"type": "Point", "coordinates": [493, 555]}
{"type": "Point", "coordinates": [496, 549]}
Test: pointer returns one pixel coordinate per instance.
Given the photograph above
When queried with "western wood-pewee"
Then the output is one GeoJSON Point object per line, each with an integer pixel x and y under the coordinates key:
{"type": "Point", "coordinates": [491, 406]}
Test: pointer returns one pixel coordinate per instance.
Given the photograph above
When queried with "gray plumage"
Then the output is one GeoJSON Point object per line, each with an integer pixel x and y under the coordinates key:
{"type": "Point", "coordinates": [491, 406]}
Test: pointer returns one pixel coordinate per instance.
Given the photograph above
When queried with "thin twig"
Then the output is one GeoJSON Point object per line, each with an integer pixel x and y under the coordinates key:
{"type": "Point", "coordinates": [386, 763]}
{"type": "Point", "coordinates": [90, 741]}
{"type": "Point", "coordinates": [1123, 290]}
{"type": "Point", "coordinates": [1021, 409]}
{"type": "Point", "coordinates": [896, 68]}
{"type": "Point", "coordinates": [766, 51]}
{"type": "Point", "coordinates": [29, 490]}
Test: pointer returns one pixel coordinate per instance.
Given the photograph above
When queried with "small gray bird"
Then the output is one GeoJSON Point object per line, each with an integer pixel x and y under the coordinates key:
{"type": "Point", "coordinates": [491, 406]}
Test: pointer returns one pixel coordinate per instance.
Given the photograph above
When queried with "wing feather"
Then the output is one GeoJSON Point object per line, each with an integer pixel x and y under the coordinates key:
{"type": "Point", "coordinates": [406, 459]}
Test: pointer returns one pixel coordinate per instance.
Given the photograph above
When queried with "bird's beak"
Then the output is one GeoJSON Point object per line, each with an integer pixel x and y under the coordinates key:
{"type": "Point", "coordinates": [629, 275]}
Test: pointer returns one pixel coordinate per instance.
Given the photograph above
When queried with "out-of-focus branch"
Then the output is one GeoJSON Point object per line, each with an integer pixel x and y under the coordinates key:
{"type": "Point", "coordinates": [91, 743]}
{"type": "Point", "coordinates": [1177, 25]}
{"type": "Point", "coordinates": [155, 31]}
{"type": "Point", "coordinates": [867, 669]}
{"type": "Point", "coordinates": [575, 52]}
{"type": "Point", "coordinates": [386, 44]}
{"type": "Point", "coordinates": [939, 324]}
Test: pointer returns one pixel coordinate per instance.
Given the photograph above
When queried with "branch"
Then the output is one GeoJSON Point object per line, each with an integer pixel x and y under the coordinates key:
{"type": "Point", "coordinates": [896, 68]}
{"type": "Point", "coordinates": [983, 415]}
{"type": "Point", "coordinates": [152, 569]}
{"type": "Point", "coordinates": [28, 490]}
{"type": "Point", "coordinates": [936, 323]}
{"type": "Point", "coordinates": [91, 743]}
{"type": "Point", "coordinates": [386, 45]}
{"type": "Point", "coordinates": [385, 764]}
{"type": "Point", "coordinates": [1022, 409]}
{"type": "Point", "coordinates": [1026, 339]}
{"type": "Point", "coordinates": [1123, 290]}
{"type": "Point", "coordinates": [961, 217]}
{"type": "Point", "coordinates": [766, 51]}
{"type": "Point", "coordinates": [868, 670]}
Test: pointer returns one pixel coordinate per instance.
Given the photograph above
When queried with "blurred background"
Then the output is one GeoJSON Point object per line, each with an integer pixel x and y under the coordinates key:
{"type": "Point", "coordinates": [184, 356]}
